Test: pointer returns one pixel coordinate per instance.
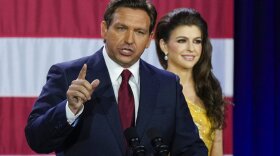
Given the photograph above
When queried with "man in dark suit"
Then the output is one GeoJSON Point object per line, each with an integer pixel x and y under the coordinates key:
{"type": "Point", "coordinates": [78, 113]}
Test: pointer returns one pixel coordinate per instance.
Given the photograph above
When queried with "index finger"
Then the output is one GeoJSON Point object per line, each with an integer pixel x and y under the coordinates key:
{"type": "Point", "coordinates": [83, 72]}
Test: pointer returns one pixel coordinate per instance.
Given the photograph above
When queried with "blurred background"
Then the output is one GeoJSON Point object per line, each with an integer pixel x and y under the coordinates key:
{"type": "Point", "coordinates": [34, 34]}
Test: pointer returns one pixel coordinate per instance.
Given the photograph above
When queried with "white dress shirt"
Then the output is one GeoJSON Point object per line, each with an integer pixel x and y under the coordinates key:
{"type": "Point", "coordinates": [115, 71]}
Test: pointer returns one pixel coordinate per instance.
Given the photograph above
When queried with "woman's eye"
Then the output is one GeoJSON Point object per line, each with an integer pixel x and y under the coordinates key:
{"type": "Point", "coordinates": [197, 41]}
{"type": "Point", "coordinates": [181, 41]}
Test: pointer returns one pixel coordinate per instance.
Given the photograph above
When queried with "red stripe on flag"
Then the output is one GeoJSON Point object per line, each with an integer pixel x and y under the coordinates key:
{"type": "Point", "coordinates": [13, 116]}
{"type": "Point", "coordinates": [228, 130]}
{"type": "Point", "coordinates": [66, 18]}
{"type": "Point", "coordinates": [63, 18]}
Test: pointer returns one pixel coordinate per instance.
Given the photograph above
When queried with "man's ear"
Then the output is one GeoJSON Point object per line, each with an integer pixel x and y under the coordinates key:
{"type": "Point", "coordinates": [104, 29]}
{"type": "Point", "coordinates": [163, 46]}
{"type": "Point", "coordinates": [151, 36]}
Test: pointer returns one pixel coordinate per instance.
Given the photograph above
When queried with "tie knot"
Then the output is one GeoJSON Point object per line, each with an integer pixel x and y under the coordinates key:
{"type": "Point", "coordinates": [126, 75]}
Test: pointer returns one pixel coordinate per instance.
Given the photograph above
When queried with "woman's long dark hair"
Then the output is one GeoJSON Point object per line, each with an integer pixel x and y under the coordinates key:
{"type": "Point", "coordinates": [207, 87]}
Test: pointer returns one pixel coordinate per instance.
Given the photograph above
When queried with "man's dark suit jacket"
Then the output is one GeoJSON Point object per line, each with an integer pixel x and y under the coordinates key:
{"type": "Point", "coordinates": [98, 130]}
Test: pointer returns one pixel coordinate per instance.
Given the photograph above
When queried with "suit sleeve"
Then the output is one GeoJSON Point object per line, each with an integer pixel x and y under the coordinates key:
{"type": "Point", "coordinates": [47, 127]}
{"type": "Point", "coordinates": [187, 141]}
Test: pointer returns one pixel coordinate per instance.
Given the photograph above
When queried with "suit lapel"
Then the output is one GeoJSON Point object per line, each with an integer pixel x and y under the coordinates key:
{"type": "Point", "coordinates": [97, 70]}
{"type": "Point", "coordinates": [147, 97]}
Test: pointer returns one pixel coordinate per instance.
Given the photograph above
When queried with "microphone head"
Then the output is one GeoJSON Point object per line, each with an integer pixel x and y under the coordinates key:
{"type": "Point", "coordinates": [159, 147]}
{"type": "Point", "coordinates": [134, 142]}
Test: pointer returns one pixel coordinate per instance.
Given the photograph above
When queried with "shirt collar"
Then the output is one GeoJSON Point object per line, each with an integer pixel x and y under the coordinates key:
{"type": "Point", "coordinates": [115, 69]}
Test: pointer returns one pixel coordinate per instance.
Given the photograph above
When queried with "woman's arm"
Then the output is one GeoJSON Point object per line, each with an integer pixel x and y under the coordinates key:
{"type": "Point", "coordinates": [217, 147]}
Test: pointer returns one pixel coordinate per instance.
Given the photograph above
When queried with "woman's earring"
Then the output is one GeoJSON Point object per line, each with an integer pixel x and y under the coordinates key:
{"type": "Point", "coordinates": [165, 57]}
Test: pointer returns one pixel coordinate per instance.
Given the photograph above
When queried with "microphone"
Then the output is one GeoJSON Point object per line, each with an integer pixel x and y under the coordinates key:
{"type": "Point", "coordinates": [134, 142]}
{"type": "Point", "coordinates": [159, 148]}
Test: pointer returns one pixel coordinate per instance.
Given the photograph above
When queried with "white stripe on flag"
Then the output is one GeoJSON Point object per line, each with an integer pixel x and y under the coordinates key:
{"type": "Point", "coordinates": [26, 61]}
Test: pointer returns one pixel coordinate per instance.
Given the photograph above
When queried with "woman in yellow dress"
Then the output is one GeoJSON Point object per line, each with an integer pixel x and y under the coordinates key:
{"type": "Point", "coordinates": [184, 48]}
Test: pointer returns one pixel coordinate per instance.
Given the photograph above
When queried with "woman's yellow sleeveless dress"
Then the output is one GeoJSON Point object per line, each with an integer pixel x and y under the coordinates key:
{"type": "Point", "coordinates": [203, 124]}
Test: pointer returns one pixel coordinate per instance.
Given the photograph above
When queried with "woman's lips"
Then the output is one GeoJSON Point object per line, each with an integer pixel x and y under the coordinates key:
{"type": "Point", "coordinates": [188, 57]}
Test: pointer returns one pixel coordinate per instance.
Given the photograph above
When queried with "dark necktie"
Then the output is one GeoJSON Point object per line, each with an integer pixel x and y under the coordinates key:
{"type": "Point", "coordinates": [126, 101]}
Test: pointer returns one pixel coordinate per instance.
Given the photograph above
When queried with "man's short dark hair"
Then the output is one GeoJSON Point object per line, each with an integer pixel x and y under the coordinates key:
{"type": "Point", "coordinates": [135, 4]}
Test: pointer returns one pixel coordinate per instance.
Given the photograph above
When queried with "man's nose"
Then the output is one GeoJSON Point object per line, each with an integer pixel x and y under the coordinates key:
{"type": "Point", "coordinates": [129, 37]}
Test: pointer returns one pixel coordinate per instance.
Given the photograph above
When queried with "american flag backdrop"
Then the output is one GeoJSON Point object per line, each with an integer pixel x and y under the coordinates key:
{"type": "Point", "coordinates": [34, 34]}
